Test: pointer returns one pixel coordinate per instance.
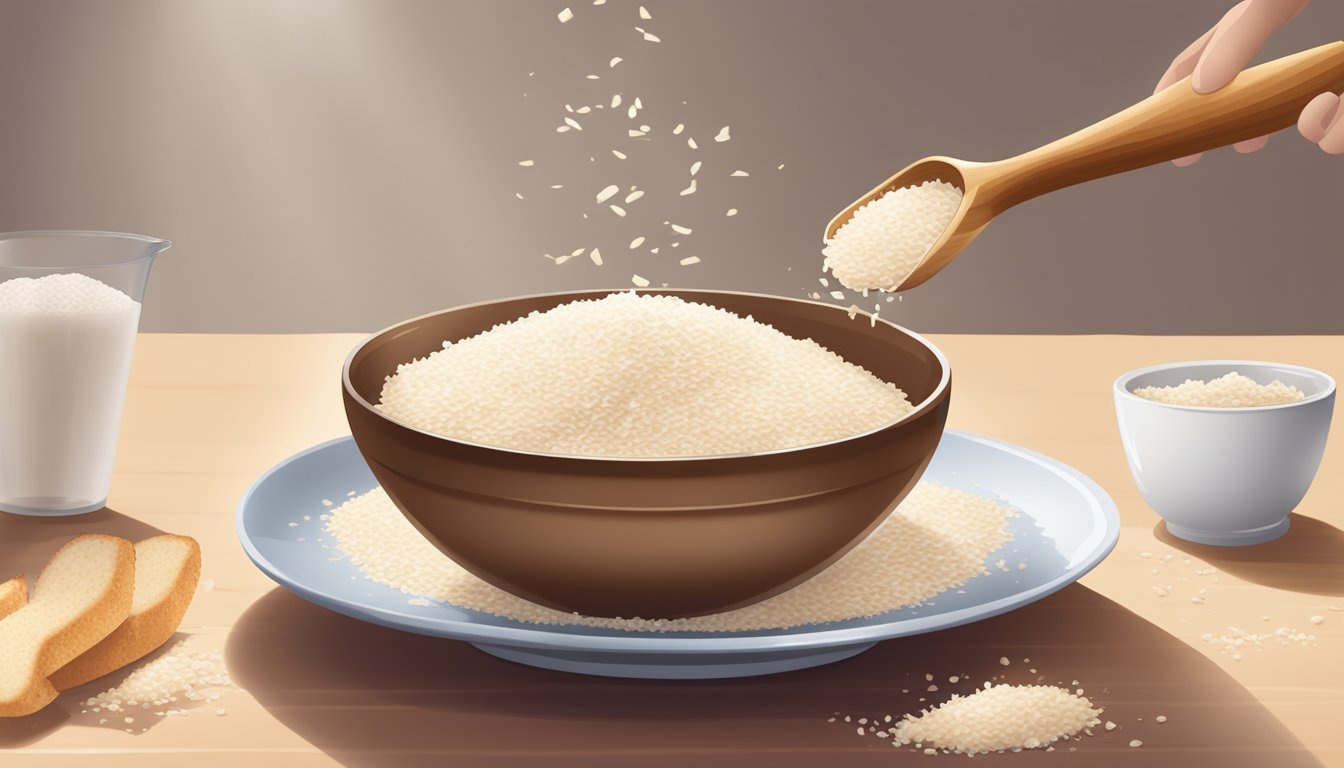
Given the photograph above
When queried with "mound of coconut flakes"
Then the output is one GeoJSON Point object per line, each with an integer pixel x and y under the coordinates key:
{"type": "Point", "coordinates": [937, 539]}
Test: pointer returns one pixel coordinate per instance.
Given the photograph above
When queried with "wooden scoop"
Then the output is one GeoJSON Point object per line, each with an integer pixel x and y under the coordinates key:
{"type": "Point", "coordinates": [1172, 123]}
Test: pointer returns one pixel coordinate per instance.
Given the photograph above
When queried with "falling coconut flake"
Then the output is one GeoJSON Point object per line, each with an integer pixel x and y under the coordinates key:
{"type": "Point", "coordinates": [612, 196]}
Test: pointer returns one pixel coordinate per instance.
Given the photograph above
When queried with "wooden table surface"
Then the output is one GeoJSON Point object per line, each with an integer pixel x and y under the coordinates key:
{"type": "Point", "coordinates": [206, 414]}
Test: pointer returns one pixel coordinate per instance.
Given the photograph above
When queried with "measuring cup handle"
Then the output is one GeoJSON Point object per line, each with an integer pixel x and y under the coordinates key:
{"type": "Point", "coordinates": [1176, 122]}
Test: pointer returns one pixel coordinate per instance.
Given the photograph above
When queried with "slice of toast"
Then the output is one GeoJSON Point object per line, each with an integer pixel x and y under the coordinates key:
{"type": "Point", "coordinates": [83, 594]}
{"type": "Point", "coordinates": [166, 570]}
{"type": "Point", "coordinates": [13, 595]}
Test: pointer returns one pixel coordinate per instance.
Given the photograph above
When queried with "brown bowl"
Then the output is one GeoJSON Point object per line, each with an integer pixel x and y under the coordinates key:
{"type": "Point", "coordinates": [650, 538]}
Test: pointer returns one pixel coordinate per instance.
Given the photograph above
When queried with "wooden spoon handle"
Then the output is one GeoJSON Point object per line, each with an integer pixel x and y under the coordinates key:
{"type": "Point", "coordinates": [1173, 123]}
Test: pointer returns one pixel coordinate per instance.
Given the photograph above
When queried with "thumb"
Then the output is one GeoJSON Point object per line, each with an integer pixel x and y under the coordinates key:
{"type": "Point", "coordinates": [1236, 40]}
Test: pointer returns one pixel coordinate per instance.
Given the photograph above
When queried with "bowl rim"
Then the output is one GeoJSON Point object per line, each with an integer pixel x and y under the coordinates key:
{"type": "Point", "coordinates": [921, 408]}
{"type": "Point", "coordinates": [1122, 391]}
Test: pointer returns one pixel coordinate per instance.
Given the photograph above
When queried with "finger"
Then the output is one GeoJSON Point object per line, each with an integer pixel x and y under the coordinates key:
{"type": "Point", "coordinates": [1317, 117]}
{"type": "Point", "coordinates": [1185, 62]}
{"type": "Point", "coordinates": [1237, 38]}
{"type": "Point", "coordinates": [1251, 145]}
{"type": "Point", "coordinates": [1234, 42]}
{"type": "Point", "coordinates": [1333, 143]}
{"type": "Point", "coordinates": [1180, 68]}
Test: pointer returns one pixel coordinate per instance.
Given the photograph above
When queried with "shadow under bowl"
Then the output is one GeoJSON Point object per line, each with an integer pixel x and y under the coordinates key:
{"type": "Point", "coordinates": [650, 538]}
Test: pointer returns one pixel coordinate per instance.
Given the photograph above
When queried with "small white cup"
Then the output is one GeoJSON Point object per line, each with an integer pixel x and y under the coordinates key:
{"type": "Point", "coordinates": [1224, 476]}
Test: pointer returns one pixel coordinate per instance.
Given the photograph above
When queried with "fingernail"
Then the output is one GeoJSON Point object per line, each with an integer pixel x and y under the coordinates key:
{"type": "Point", "coordinates": [1331, 117]}
{"type": "Point", "coordinates": [1204, 83]}
{"type": "Point", "coordinates": [1197, 78]}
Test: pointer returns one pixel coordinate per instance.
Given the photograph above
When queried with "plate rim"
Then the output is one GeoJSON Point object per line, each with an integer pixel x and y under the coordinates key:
{"type": "Point", "coordinates": [1102, 539]}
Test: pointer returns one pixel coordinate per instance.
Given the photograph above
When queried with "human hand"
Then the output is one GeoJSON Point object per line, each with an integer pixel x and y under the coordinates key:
{"type": "Point", "coordinates": [1213, 60]}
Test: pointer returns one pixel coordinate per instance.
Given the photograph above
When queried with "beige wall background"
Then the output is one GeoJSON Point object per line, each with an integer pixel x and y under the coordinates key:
{"type": "Point", "coordinates": [339, 165]}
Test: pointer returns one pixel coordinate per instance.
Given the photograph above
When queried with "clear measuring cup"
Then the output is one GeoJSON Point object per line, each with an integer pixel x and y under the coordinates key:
{"type": "Point", "coordinates": [69, 312]}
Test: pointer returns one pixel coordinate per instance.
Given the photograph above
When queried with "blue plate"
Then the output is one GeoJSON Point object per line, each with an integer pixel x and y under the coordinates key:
{"type": "Point", "coordinates": [1065, 526]}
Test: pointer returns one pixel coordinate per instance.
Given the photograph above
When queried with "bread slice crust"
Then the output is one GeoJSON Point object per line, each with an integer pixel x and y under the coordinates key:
{"type": "Point", "coordinates": [163, 590]}
{"type": "Point", "coordinates": [13, 595]}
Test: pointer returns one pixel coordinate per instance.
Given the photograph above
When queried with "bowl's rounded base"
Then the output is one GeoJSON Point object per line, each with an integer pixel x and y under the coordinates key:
{"type": "Point", "coordinates": [673, 666]}
{"type": "Point", "coordinates": [1231, 538]}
